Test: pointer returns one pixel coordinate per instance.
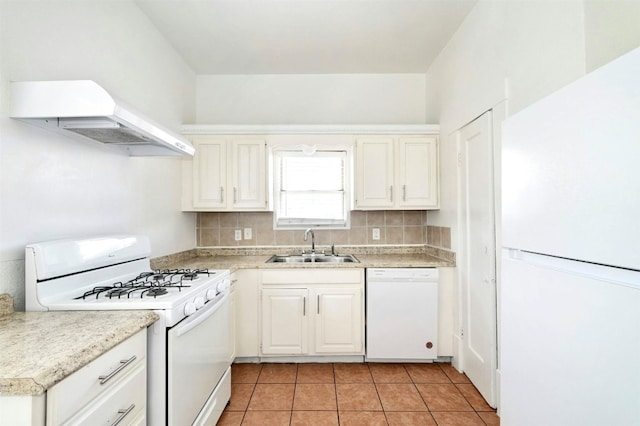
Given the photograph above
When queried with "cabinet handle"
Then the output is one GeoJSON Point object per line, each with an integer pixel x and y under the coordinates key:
{"type": "Point", "coordinates": [123, 413]}
{"type": "Point", "coordinates": [304, 306]}
{"type": "Point", "coordinates": [235, 195]}
{"type": "Point", "coordinates": [318, 304]}
{"type": "Point", "coordinates": [391, 193]}
{"type": "Point", "coordinates": [404, 192]}
{"type": "Point", "coordinates": [221, 194]}
{"type": "Point", "coordinates": [123, 364]}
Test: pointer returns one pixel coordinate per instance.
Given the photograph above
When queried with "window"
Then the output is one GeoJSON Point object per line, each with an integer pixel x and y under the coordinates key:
{"type": "Point", "coordinates": [311, 188]}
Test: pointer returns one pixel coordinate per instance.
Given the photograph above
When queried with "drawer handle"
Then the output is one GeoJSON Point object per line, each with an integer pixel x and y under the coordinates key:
{"type": "Point", "coordinates": [123, 364]}
{"type": "Point", "coordinates": [123, 414]}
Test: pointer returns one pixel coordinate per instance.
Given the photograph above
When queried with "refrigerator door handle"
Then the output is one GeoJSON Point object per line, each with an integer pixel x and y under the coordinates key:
{"type": "Point", "coordinates": [610, 274]}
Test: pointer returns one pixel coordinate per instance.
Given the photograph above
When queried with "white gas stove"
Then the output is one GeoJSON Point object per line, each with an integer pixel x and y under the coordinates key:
{"type": "Point", "coordinates": [113, 273]}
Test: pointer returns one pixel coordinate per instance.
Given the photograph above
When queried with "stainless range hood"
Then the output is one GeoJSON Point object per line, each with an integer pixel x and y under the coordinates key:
{"type": "Point", "coordinates": [84, 108]}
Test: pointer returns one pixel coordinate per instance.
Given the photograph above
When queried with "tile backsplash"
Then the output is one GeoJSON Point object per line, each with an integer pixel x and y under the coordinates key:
{"type": "Point", "coordinates": [396, 227]}
{"type": "Point", "coordinates": [439, 236]}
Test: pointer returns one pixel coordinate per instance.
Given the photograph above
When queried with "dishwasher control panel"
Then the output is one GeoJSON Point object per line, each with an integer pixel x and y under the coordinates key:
{"type": "Point", "coordinates": [402, 274]}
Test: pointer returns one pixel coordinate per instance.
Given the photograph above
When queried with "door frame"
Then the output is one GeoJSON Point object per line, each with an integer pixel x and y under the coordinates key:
{"type": "Point", "coordinates": [499, 114]}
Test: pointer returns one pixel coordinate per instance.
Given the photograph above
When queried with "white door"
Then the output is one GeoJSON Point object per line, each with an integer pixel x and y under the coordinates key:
{"type": "Point", "coordinates": [478, 256]}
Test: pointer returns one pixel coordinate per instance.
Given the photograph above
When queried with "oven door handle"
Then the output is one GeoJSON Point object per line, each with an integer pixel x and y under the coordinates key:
{"type": "Point", "coordinates": [200, 315]}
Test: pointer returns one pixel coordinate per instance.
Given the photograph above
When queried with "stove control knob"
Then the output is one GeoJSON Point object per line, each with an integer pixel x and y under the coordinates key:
{"type": "Point", "coordinates": [189, 308]}
{"type": "Point", "coordinates": [223, 285]}
{"type": "Point", "coordinates": [199, 302]}
{"type": "Point", "coordinates": [211, 293]}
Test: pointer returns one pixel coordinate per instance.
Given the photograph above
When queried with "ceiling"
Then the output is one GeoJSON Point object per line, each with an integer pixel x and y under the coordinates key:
{"type": "Point", "coordinates": [307, 36]}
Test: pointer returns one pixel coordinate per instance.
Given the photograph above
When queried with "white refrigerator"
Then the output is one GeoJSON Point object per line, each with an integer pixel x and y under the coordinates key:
{"type": "Point", "coordinates": [569, 302]}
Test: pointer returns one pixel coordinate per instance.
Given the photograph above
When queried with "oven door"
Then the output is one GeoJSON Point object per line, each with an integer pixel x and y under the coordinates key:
{"type": "Point", "coordinates": [198, 353]}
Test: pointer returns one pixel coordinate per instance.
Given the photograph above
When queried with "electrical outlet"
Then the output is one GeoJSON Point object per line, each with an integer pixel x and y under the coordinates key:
{"type": "Point", "coordinates": [376, 234]}
{"type": "Point", "coordinates": [247, 233]}
{"type": "Point", "coordinates": [238, 235]}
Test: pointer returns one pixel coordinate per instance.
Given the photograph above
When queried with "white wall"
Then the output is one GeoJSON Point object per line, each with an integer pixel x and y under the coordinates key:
{"type": "Point", "coordinates": [311, 99]}
{"type": "Point", "coordinates": [52, 186]}
{"type": "Point", "coordinates": [527, 49]}
{"type": "Point", "coordinates": [520, 51]}
{"type": "Point", "coordinates": [612, 28]}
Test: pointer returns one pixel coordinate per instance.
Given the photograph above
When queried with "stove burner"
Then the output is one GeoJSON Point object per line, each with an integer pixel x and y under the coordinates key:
{"type": "Point", "coordinates": [155, 291]}
{"type": "Point", "coordinates": [118, 291]}
{"type": "Point", "coordinates": [148, 284]}
{"type": "Point", "coordinates": [190, 276]}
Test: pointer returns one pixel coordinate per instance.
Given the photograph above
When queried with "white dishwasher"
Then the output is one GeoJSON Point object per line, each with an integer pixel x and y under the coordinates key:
{"type": "Point", "coordinates": [401, 314]}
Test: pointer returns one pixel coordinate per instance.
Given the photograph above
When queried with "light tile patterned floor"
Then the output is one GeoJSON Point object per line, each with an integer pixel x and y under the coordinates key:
{"type": "Point", "coordinates": [354, 394]}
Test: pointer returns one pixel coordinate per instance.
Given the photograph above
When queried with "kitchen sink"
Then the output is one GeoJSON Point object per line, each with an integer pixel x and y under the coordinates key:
{"type": "Point", "coordinates": [313, 258]}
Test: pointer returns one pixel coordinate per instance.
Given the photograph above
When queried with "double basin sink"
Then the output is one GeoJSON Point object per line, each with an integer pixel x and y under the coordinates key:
{"type": "Point", "coordinates": [315, 258]}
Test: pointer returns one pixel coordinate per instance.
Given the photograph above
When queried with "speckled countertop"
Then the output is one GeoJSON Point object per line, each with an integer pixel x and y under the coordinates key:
{"type": "Point", "coordinates": [256, 258]}
{"type": "Point", "coordinates": [39, 349]}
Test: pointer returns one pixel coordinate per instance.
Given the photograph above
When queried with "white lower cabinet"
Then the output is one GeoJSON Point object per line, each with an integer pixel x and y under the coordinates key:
{"type": "Point", "coordinates": [112, 389]}
{"type": "Point", "coordinates": [246, 307]}
{"type": "Point", "coordinates": [309, 312]}
{"type": "Point", "coordinates": [285, 321]}
{"type": "Point", "coordinates": [338, 321]}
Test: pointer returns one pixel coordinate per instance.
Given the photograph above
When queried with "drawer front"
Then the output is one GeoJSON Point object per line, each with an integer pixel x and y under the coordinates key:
{"type": "Point", "coordinates": [313, 276]}
{"type": "Point", "coordinates": [99, 376]}
{"type": "Point", "coordinates": [124, 403]}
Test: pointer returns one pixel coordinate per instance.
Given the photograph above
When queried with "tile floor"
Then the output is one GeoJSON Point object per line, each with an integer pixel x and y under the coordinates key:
{"type": "Point", "coordinates": [364, 394]}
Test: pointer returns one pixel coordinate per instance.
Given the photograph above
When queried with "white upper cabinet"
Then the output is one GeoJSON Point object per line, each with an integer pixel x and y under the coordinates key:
{"type": "Point", "coordinates": [396, 172]}
{"type": "Point", "coordinates": [226, 173]}
{"type": "Point", "coordinates": [249, 173]}
{"type": "Point", "coordinates": [374, 172]}
{"type": "Point", "coordinates": [417, 172]}
{"type": "Point", "coordinates": [396, 166]}
{"type": "Point", "coordinates": [209, 173]}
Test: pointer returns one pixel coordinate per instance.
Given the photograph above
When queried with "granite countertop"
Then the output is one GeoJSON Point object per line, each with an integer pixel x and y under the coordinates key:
{"type": "Point", "coordinates": [39, 349]}
{"type": "Point", "coordinates": [256, 258]}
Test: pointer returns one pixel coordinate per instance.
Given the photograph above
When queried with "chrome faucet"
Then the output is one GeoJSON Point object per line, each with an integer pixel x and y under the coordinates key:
{"type": "Point", "coordinates": [313, 240]}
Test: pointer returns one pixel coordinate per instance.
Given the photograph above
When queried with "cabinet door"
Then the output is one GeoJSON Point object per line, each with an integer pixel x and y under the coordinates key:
{"type": "Point", "coordinates": [338, 320]}
{"type": "Point", "coordinates": [209, 172]}
{"type": "Point", "coordinates": [374, 173]}
{"type": "Point", "coordinates": [285, 321]}
{"type": "Point", "coordinates": [249, 174]}
{"type": "Point", "coordinates": [417, 172]}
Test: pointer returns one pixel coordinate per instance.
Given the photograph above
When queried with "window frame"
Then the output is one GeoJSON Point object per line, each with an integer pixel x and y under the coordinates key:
{"type": "Point", "coordinates": [347, 183]}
